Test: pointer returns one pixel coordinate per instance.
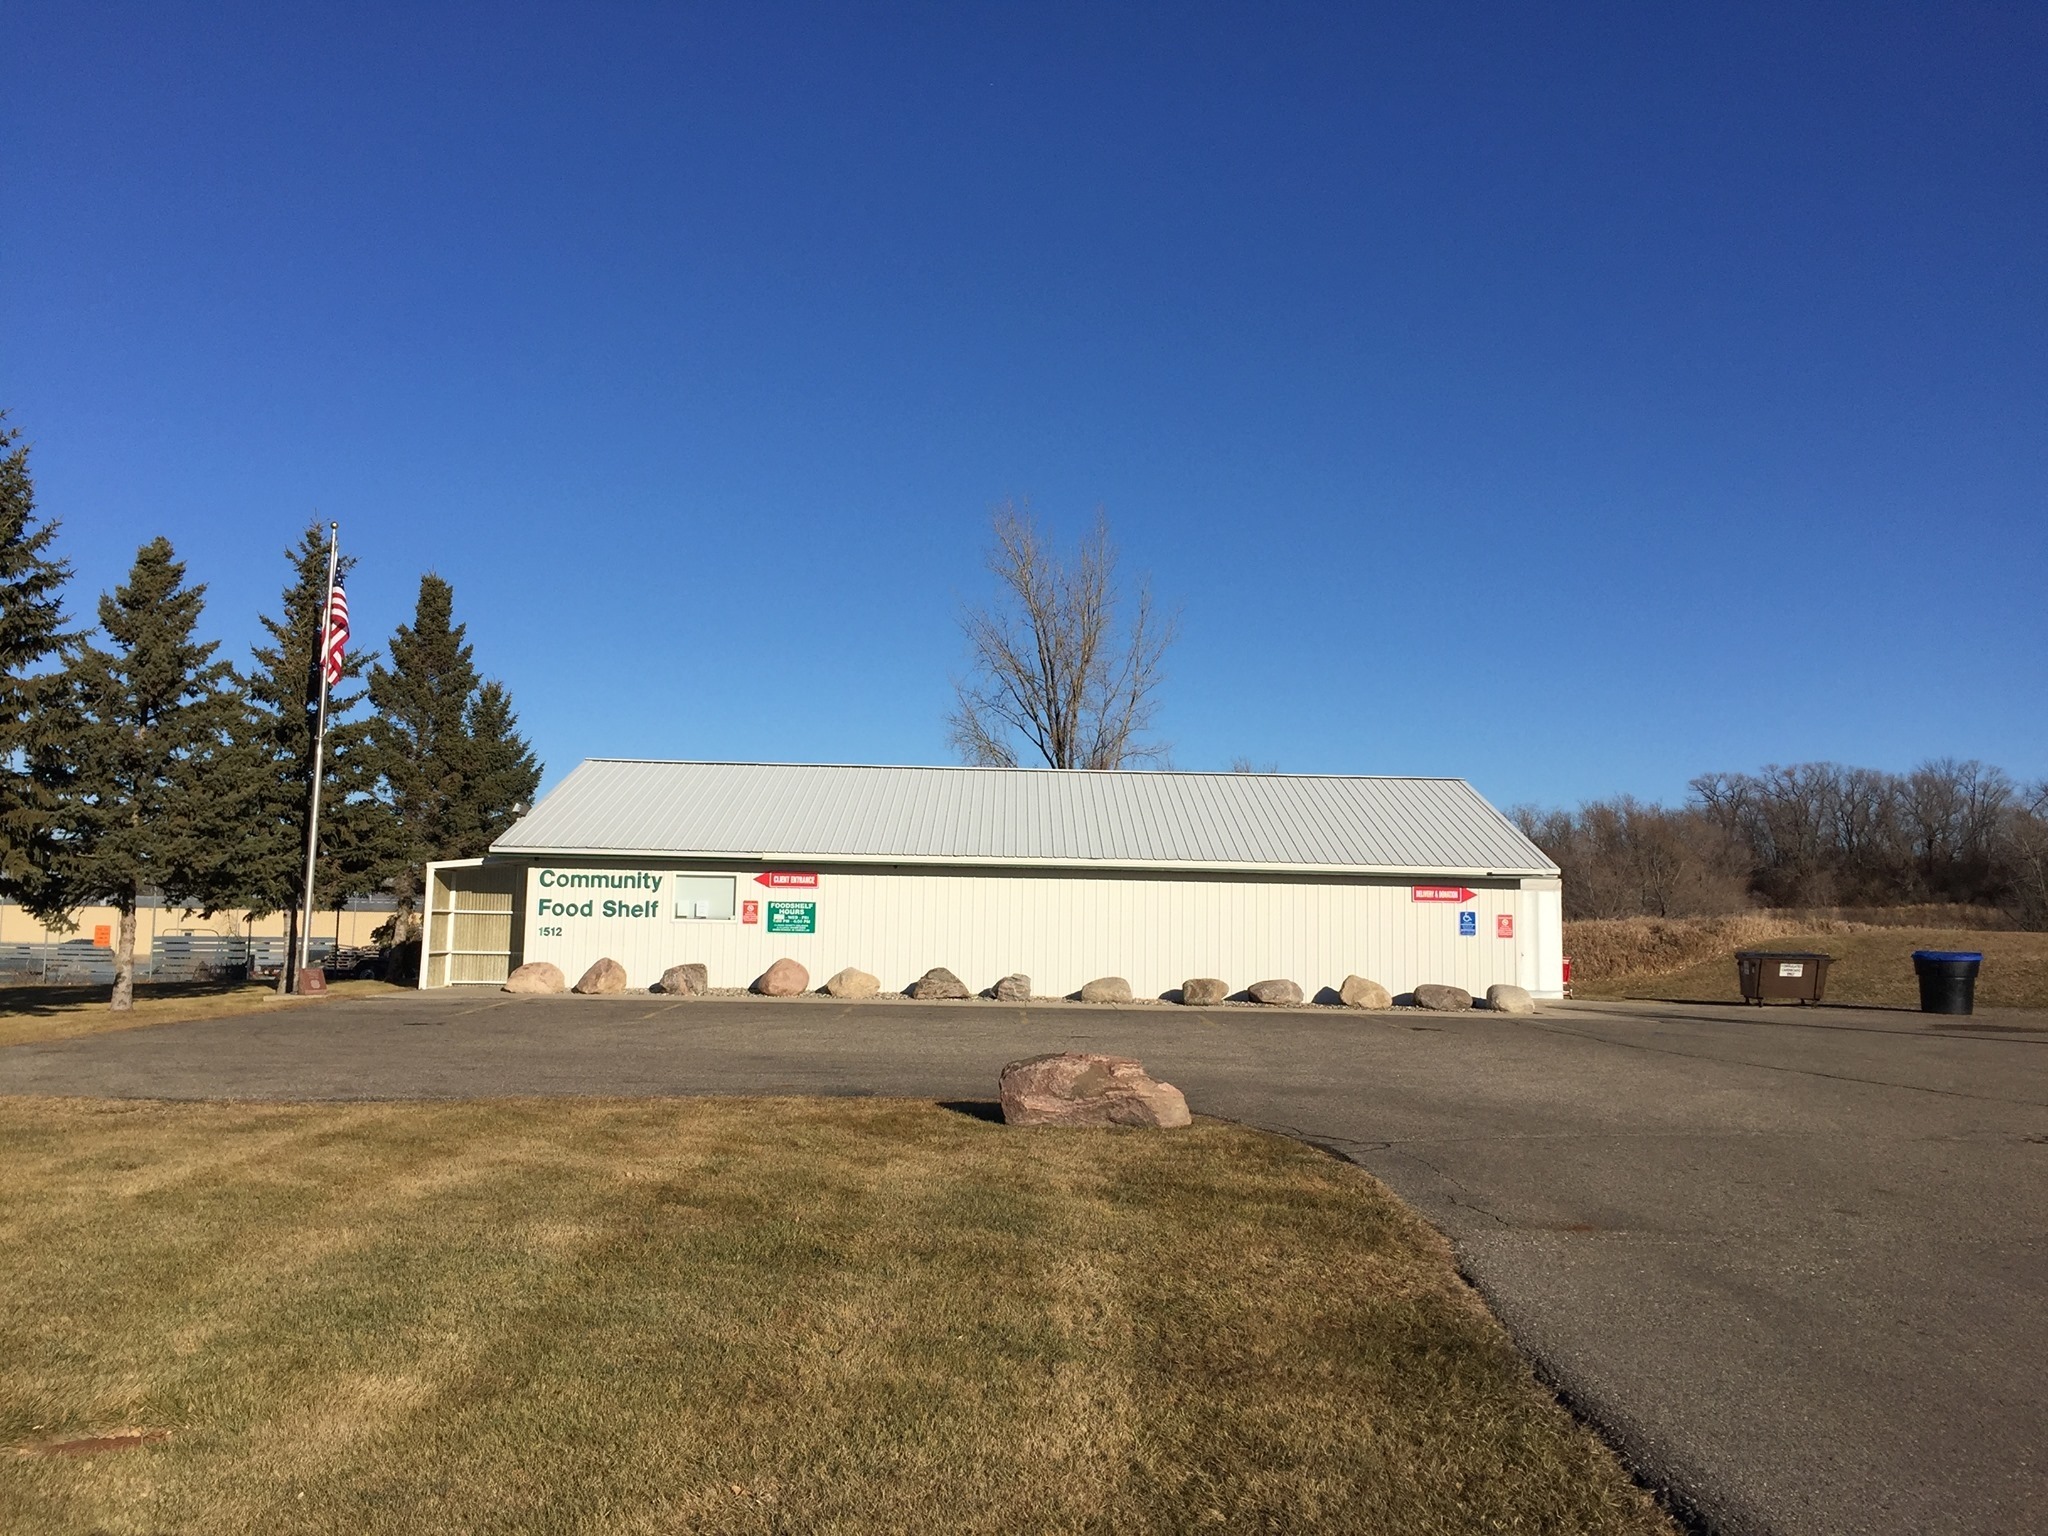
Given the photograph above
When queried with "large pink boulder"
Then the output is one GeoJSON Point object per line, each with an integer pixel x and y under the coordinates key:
{"type": "Point", "coordinates": [1080, 1088]}
{"type": "Point", "coordinates": [785, 978]}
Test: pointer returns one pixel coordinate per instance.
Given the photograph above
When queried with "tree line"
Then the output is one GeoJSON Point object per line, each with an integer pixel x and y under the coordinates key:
{"type": "Point", "coordinates": [135, 761]}
{"type": "Point", "coordinates": [1808, 835]}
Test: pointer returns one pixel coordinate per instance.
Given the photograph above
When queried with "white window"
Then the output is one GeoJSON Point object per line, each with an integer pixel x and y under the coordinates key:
{"type": "Point", "coordinates": [708, 897]}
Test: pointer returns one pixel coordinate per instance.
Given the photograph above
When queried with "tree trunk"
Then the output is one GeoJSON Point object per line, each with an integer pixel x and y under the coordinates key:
{"type": "Point", "coordinates": [124, 961]}
{"type": "Point", "coordinates": [291, 950]}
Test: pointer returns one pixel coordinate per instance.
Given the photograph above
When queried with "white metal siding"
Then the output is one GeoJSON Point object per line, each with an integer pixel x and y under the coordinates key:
{"type": "Point", "coordinates": [1063, 930]}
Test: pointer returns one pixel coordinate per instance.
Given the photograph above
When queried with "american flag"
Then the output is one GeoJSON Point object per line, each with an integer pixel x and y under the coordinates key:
{"type": "Point", "coordinates": [334, 643]}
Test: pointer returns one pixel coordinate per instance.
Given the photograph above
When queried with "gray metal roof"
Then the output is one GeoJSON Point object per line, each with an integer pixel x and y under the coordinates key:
{"type": "Point", "coordinates": [1136, 820]}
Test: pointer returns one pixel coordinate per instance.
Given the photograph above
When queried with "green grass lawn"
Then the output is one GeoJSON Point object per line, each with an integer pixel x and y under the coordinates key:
{"type": "Point", "coordinates": [743, 1316]}
{"type": "Point", "coordinates": [1872, 966]}
{"type": "Point", "coordinates": [29, 1014]}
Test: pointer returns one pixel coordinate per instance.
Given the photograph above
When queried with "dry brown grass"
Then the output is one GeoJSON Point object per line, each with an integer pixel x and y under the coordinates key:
{"type": "Point", "coordinates": [1693, 959]}
{"type": "Point", "coordinates": [725, 1316]}
{"type": "Point", "coordinates": [29, 1014]}
{"type": "Point", "coordinates": [1605, 951]}
{"type": "Point", "coordinates": [1931, 914]}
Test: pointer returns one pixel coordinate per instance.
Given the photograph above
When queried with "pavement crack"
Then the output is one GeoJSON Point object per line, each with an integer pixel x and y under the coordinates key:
{"type": "Point", "coordinates": [1459, 1193]}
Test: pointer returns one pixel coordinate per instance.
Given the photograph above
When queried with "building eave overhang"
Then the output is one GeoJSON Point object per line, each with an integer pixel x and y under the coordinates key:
{"type": "Point", "coordinates": [1063, 866]}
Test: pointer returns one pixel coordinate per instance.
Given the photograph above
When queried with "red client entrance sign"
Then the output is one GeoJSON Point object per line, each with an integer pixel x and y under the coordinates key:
{"type": "Point", "coordinates": [786, 879]}
{"type": "Point", "coordinates": [1440, 893]}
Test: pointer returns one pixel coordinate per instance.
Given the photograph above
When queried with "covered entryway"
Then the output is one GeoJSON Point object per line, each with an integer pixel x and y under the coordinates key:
{"type": "Point", "coordinates": [474, 927]}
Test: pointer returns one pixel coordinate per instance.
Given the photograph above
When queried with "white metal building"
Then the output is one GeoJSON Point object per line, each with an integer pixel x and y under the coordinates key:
{"type": "Point", "coordinates": [1155, 877]}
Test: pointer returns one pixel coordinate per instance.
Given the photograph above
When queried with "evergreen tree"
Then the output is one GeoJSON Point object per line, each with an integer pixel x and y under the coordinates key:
{"type": "Point", "coordinates": [452, 761]}
{"type": "Point", "coordinates": [31, 637]}
{"type": "Point", "coordinates": [357, 831]}
{"type": "Point", "coordinates": [422, 700]}
{"type": "Point", "coordinates": [148, 787]}
{"type": "Point", "coordinates": [503, 772]}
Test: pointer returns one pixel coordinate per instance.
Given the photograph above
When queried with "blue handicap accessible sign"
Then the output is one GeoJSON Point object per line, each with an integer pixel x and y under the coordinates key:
{"type": "Point", "coordinates": [1468, 925]}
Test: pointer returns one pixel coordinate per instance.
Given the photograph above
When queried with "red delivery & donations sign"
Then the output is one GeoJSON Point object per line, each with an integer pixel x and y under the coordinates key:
{"type": "Point", "coordinates": [1439, 893]}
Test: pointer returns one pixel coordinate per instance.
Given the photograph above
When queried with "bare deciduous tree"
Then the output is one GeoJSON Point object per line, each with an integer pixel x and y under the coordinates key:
{"type": "Point", "coordinates": [1808, 834]}
{"type": "Point", "coordinates": [1052, 665]}
{"type": "Point", "coordinates": [1622, 858]}
{"type": "Point", "coordinates": [2026, 853]}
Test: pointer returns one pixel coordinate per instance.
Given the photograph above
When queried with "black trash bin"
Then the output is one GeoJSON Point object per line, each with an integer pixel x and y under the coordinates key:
{"type": "Point", "coordinates": [1948, 979]}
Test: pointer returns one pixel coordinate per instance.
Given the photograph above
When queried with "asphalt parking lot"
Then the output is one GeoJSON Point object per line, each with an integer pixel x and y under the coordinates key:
{"type": "Point", "coordinates": [1794, 1262]}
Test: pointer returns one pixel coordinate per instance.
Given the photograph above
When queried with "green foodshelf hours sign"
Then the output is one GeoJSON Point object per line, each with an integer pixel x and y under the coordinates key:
{"type": "Point", "coordinates": [792, 917]}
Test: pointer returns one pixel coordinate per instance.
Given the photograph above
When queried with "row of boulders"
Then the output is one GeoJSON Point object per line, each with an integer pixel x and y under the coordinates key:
{"type": "Point", "coordinates": [1070, 1089]}
{"type": "Point", "coordinates": [787, 978]}
{"type": "Point", "coordinates": [1501, 997]}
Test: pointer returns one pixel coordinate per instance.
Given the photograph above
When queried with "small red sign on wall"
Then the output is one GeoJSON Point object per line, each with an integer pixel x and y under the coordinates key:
{"type": "Point", "coordinates": [103, 935]}
{"type": "Point", "coordinates": [787, 879]}
{"type": "Point", "coordinates": [1504, 927]}
{"type": "Point", "coordinates": [750, 911]}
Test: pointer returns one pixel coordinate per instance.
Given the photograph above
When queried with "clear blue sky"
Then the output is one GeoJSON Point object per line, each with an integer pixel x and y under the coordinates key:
{"type": "Point", "coordinates": [1572, 400]}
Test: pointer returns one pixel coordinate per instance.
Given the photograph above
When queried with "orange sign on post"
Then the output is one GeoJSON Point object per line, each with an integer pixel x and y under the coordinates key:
{"type": "Point", "coordinates": [103, 935]}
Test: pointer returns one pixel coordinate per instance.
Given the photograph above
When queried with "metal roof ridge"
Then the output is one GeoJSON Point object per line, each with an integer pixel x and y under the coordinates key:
{"type": "Point", "coordinates": [1150, 773]}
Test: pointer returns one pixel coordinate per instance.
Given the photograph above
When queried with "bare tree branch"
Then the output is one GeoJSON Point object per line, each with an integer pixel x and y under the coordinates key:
{"type": "Point", "coordinates": [1050, 664]}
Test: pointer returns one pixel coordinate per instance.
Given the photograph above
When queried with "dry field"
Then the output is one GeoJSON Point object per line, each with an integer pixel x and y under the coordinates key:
{"type": "Point", "coordinates": [1693, 959]}
{"type": "Point", "coordinates": [29, 1014]}
{"type": "Point", "coordinates": [742, 1316]}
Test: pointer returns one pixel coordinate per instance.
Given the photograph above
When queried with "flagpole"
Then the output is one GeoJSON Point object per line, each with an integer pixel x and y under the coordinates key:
{"type": "Point", "coordinates": [319, 742]}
